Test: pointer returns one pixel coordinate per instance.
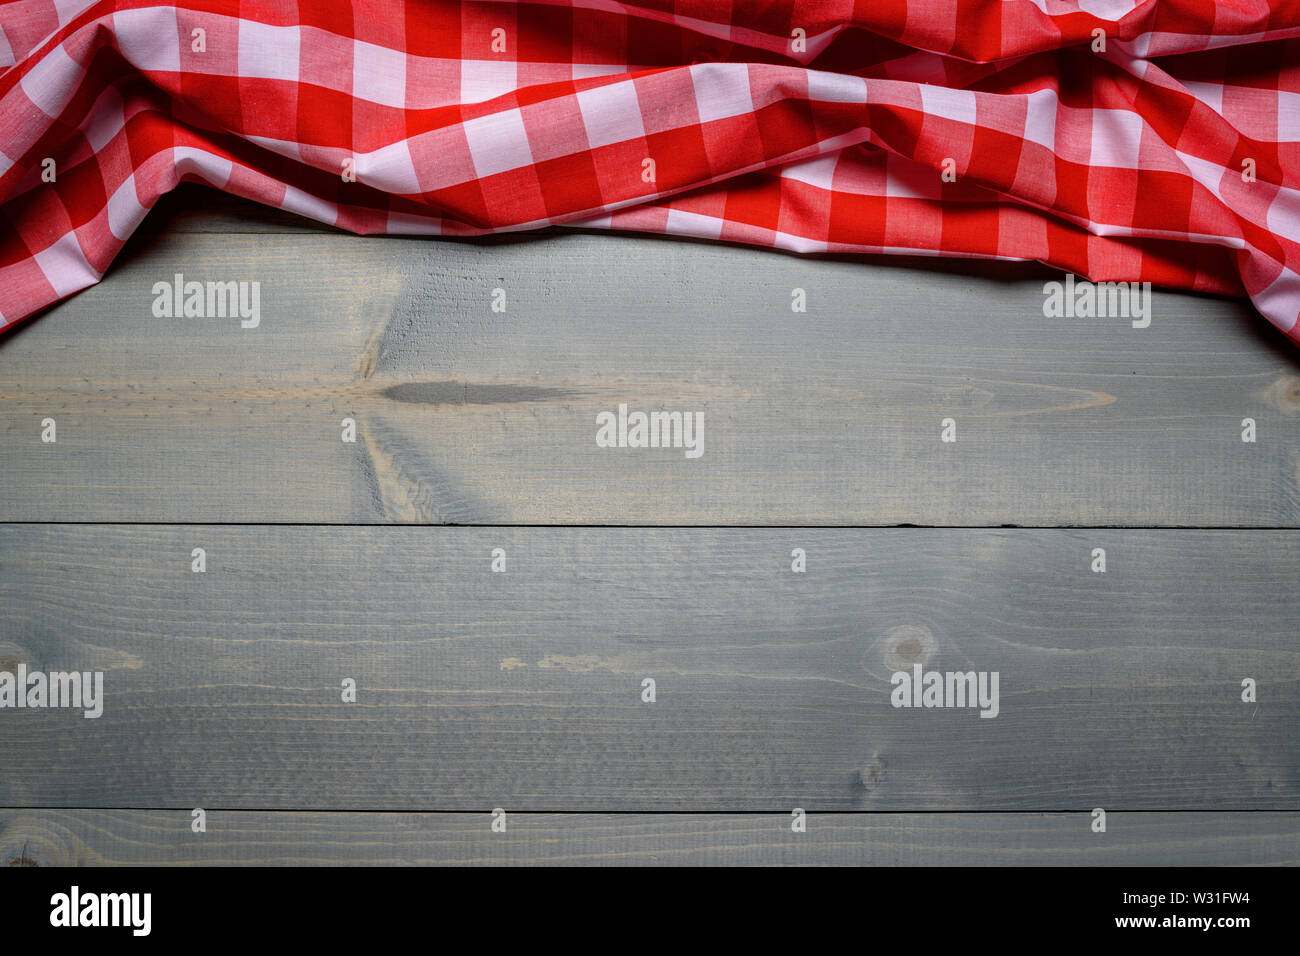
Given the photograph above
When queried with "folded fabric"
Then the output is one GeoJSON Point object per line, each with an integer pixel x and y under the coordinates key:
{"type": "Point", "coordinates": [1118, 140]}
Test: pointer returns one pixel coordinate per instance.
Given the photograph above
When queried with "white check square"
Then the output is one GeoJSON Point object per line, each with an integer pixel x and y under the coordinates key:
{"type": "Point", "coordinates": [951, 104]}
{"type": "Point", "coordinates": [721, 90]}
{"type": "Point", "coordinates": [498, 142]}
{"type": "Point", "coordinates": [1116, 138]}
{"type": "Point", "coordinates": [267, 52]}
{"type": "Point", "coordinates": [611, 114]}
{"type": "Point", "coordinates": [378, 74]}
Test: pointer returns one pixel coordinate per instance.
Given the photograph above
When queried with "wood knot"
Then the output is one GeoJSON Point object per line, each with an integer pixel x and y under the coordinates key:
{"type": "Point", "coordinates": [871, 774]}
{"type": "Point", "coordinates": [1284, 394]}
{"type": "Point", "coordinates": [908, 645]}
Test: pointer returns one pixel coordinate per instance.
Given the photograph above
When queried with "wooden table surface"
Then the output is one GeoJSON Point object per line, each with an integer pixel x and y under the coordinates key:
{"type": "Point", "coordinates": [372, 560]}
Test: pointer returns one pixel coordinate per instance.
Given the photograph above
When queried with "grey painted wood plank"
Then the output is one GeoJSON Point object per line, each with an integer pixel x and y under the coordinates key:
{"type": "Point", "coordinates": [469, 416]}
{"type": "Point", "coordinates": [239, 838]}
{"type": "Point", "coordinates": [523, 689]}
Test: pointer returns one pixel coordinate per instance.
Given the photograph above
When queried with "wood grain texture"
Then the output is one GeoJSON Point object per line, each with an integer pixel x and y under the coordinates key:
{"type": "Point", "coordinates": [470, 416]}
{"type": "Point", "coordinates": [522, 689]}
{"type": "Point", "coordinates": [234, 838]}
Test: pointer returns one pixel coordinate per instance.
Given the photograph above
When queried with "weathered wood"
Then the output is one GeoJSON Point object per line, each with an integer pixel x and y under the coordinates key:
{"type": "Point", "coordinates": [523, 689]}
{"type": "Point", "coordinates": [466, 415]}
{"type": "Point", "coordinates": [153, 837]}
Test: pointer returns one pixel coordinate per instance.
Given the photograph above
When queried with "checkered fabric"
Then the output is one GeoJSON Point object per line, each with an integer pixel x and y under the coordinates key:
{"type": "Point", "coordinates": [1164, 148]}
